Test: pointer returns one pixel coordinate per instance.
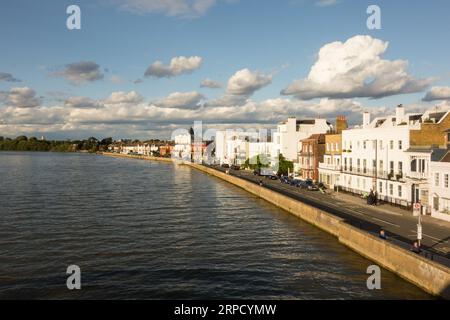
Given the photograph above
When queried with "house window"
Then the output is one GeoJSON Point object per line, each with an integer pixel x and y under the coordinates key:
{"type": "Point", "coordinates": [391, 167]}
{"type": "Point", "coordinates": [400, 144]}
{"type": "Point", "coordinates": [400, 191]}
{"type": "Point", "coordinates": [364, 144]}
{"type": "Point", "coordinates": [391, 144]}
{"type": "Point", "coordinates": [400, 167]}
{"type": "Point", "coordinates": [446, 180]}
{"type": "Point", "coordinates": [391, 189]}
{"type": "Point", "coordinates": [436, 179]}
{"type": "Point", "coordinates": [364, 166]}
{"type": "Point", "coordinates": [380, 187]}
{"type": "Point", "coordinates": [381, 144]}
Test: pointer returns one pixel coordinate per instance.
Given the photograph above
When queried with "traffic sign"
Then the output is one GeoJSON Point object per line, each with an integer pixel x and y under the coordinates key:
{"type": "Point", "coordinates": [416, 209]}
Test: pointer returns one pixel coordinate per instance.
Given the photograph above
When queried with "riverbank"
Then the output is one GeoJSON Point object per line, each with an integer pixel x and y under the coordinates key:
{"type": "Point", "coordinates": [426, 274]}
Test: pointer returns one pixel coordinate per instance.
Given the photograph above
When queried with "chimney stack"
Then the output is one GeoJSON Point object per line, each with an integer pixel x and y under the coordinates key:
{"type": "Point", "coordinates": [399, 114]}
{"type": "Point", "coordinates": [366, 119]}
{"type": "Point", "coordinates": [341, 124]}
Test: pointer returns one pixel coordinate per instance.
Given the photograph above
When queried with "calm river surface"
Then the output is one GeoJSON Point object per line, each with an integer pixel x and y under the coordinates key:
{"type": "Point", "coordinates": [151, 230]}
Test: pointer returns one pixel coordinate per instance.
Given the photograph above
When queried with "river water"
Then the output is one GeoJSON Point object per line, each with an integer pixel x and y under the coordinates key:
{"type": "Point", "coordinates": [152, 230]}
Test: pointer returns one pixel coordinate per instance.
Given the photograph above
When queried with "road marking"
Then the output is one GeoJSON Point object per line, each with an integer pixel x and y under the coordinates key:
{"type": "Point", "coordinates": [392, 224]}
{"type": "Point", "coordinates": [437, 240]}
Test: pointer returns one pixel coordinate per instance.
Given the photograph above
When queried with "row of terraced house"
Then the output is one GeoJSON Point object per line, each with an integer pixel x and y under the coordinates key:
{"type": "Point", "coordinates": [404, 158]}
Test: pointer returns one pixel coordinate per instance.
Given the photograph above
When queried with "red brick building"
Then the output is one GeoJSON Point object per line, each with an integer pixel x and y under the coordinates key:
{"type": "Point", "coordinates": [312, 152]}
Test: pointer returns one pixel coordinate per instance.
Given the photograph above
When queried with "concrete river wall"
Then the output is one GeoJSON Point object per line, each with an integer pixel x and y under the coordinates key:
{"type": "Point", "coordinates": [426, 274]}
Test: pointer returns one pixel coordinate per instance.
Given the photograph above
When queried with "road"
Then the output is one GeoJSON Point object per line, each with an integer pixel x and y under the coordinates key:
{"type": "Point", "coordinates": [399, 224]}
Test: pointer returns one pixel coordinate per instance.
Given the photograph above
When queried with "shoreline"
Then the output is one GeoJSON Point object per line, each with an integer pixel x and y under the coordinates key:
{"type": "Point", "coordinates": [428, 275]}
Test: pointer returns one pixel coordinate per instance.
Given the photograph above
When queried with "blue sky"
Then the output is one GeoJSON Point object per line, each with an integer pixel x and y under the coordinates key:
{"type": "Point", "coordinates": [277, 39]}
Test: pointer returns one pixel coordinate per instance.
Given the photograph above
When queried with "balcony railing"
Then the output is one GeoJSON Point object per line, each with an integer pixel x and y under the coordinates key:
{"type": "Point", "coordinates": [381, 174]}
{"type": "Point", "coordinates": [333, 167]}
{"type": "Point", "coordinates": [417, 175]}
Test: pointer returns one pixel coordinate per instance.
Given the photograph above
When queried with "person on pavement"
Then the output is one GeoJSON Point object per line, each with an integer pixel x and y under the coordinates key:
{"type": "Point", "coordinates": [415, 248]}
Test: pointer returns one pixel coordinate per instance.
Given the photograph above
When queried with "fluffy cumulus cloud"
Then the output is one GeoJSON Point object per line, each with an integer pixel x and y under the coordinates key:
{"type": "Point", "coordinates": [178, 65]}
{"type": "Point", "coordinates": [208, 83]}
{"type": "Point", "coordinates": [437, 93]}
{"type": "Point", "coordinates": [8, 77]}
{"type": "Point", "coordinates": [183, 8]}
{"type": "Point", "coordinates": [21, 97]}
{"type": "Point", "coordinates": [82, 102]}
{"type": "Point", "coordinates": [355, 68]}
{"type": "Point", "coordinates": [80, 72]}
{"type": "Point", "coordinates": [245, 82]}
{"type": "Point", "coordinates": [82, 117]}
{"type": "Point", "coordinates": [180, 100]}
{"type": "Point", "coordinates": [122, 97]}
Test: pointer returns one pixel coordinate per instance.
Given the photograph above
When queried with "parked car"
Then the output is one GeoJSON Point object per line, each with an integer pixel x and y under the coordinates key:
{"type": "Point", "coordinates": [225, 165]}
{"type": "Point", "coordinates": [272, 177]}
{"type": "Point", "coordinates": [235, 167]}
{"type": "Point", "coordinates": [284, 179]}
{"type": "Point", "coordinates": [309, 185]}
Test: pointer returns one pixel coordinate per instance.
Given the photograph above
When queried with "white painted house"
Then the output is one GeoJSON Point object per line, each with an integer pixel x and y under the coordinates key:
{"type": "Point", "coordinates": [235, 147]}
{"type": "Point", "coordinates": [291, 132]}
{"type": "Point", "coordinates": [183, 146]}
{"type": "Point", "coordinates": [374, 157]}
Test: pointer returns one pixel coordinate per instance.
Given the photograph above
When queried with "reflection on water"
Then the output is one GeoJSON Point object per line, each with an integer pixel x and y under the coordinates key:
{"type": "Point", "coordinates": [155, 231]}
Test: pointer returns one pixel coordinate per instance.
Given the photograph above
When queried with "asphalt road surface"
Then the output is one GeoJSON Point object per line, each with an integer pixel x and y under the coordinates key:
{"type": "Point", "coordinates": [400, 225]}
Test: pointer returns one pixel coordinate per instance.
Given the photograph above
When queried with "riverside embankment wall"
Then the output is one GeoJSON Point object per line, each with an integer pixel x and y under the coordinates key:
{"type": "Point", "coordinates": [426, 274]}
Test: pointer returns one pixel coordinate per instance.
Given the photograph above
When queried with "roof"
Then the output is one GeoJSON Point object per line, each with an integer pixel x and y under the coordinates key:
{"type": "Point", "coordinates": [320, 137]}
{"type": "Point", "coordinates": [440, 155]}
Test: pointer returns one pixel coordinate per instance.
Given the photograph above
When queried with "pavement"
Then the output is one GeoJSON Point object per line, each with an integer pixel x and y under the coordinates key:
{"type": "Point", "coordinates": [400, 225]}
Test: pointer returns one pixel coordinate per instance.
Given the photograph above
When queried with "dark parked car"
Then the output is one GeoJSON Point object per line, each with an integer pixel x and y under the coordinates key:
{"type": "Point", "coordinates": [309, 185]}
{"type": "Point", "coordinates": [284, 179]}
{"type": "Point", "coordinates": [225, 165]}
{"type": "Point", "coordinates": [235, 167]}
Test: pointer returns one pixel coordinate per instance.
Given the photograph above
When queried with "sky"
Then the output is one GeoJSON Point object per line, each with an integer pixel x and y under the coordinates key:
{"type": "Point", "coordinates": [143, 68]}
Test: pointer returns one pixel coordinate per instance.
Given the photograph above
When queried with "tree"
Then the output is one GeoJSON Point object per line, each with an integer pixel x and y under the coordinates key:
{"type": "Point", "coordinates": [284, 166]}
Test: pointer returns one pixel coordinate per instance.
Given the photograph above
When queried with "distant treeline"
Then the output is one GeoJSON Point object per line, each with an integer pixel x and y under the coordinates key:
{"type": "Point", "coordinates": [23, 143]}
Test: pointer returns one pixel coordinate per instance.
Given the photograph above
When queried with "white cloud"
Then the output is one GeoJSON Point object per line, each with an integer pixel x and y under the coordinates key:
{"type": "Point", "coordinates": [437, 93]}
{"type": "Point", "coordinates": [81, 102]}
{"type": "Point", "coordinates": [353, 69]}
{"type": "Point", "coordinates": [208, 83]}
{"type": "Point", "coordinates": [8, 77]}
{"type": "Point", "coordinates": [246, 82]}
{"type": "Point", "coordinates": [326, 3]}
{"type": "Point", "coordinates": [122, 97]}
{"type": "Point", "coordinates": [22, 97]}
{"type": "Point", "coordinates": [180, 100]}
{"type": "Point", "coordinates": [80, 72]}
{"type": "Point", "coordinates": [178, 65]}
{"type": "Point", "coordinates": [116, 79]}
{"type": "Point", "coordinates": [183, 8]}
